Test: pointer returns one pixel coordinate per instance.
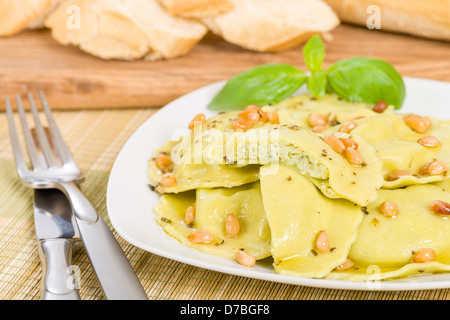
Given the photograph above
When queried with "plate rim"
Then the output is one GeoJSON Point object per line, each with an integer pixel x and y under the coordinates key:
{"type": "Point", "coordinates": [391, 285]}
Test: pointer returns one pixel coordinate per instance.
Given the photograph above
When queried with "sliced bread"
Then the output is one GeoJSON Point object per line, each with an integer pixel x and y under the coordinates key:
{"type": "Point", "coordinates": [428, 19]}
{"type": "Point", "coordinates": [124, 29]}
{"type": "Point", "coordinates": [266, 25]}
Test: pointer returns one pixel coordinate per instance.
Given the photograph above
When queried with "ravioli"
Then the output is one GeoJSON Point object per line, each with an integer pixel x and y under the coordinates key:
{"type": "Point", "coordinates": [444, 185]}
{"type": "Point", "coordinates": [193, 176]}
{"type": "Point", "coordinates": [296, 110]}
{"type": "Point", "coordinates": [397, 147]}
{"type": "Point", "coordinates": [305, 151]}
{"type": "Point", "coordinates": [385, 245]}
{"type": "Point", "coordinates": [297, 212]}
{"type": "Point", "coordinates": [212, 208]}
{"type": "Point", "coordinates": [193, 172]}
{"type": "Point", "coordinates": [285, 185]}
{"type": "Point", "coordinates": [373, 273]}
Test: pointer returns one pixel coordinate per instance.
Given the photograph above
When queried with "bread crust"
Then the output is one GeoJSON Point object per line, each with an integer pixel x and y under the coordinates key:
{"type": "Point", "coordinates": [428, 19]}
{"type": "Point", "coordinates": [17, 15]}
{"type": "Point", "coordinates": [197, 8]}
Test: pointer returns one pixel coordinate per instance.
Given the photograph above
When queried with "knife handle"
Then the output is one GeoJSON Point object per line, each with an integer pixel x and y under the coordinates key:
{"type": "Point", "coordinates": [58, 279]}
{"type": "Point", "coordinates": [111, 266]}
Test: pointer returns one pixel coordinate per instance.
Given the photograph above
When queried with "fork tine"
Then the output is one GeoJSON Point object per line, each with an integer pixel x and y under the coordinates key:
{"type": "Point", "coordinates": [36, 161]}
{"type": "Point", "coordinates": [59, 144]}
{"type": "Point", "coordinates": [42, 137]}
{"type": "Point", "coordinates": [19, 157]}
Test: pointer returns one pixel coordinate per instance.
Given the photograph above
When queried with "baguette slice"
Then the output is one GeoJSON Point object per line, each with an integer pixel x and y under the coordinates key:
{"type": "Point", "coordinates": [125, 29]}
{"type": "Point", "coordinates": [197, 8]}
{"type": "Point", "coordinates": [428, 19]}
{"type": "Point", "coordinates": [39, 23]}
{"type": "Point", "coordinates": [17, 15]}
{"type": "Point", "coordinates": [168, 35]}
{"type": "Point", "coordinates": [266, 25]}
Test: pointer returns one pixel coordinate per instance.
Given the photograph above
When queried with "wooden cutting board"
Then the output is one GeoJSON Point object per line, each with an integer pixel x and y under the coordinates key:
{"type": "Point", "coordinates": [71, 79]}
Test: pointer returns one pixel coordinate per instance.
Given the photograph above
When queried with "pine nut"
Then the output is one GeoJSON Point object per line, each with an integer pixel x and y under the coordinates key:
{"type": "Point", "coordinates": [317, 120]}
{"type": "Point", "coordinates": [201, 236]}
{"type": "Point", "coordinates": [232, 225]}
{"type": "Point", "coordinates": [241, 125]}
{"type": "Point", "coordinates": [163, 161]}
{"type": "Point", "coordinates": [417, 123]}
{"type": "Point", "coordinates": [429, 141]}
{"type": "Point", "coordinates": [380, 106]}
{"type": "Point", "coordinates": [189, 215]}
{"type": "Point", "coordinates": [353, 156]}
{"type": "Point", "coordinates": [347, 264]}
{"type": "Point", "coordinates": [244, 258]}
{"type": "Point", "coordinates": [424, 255]}
{"type": "Point", "coordinates": [168, 180]}
{"type": "Point", "coordinates": [318, 129]}
{"type": "Point", "coordinates": [397, 174]}
{"type": "Point", "coordinates": [334, 143]}
{"type": "Point", "coordinates": [253, 114]}
{"type": "Point", "coordinates": [322, 241]}
{"type": "Point", "coordinates": [250, 115]}
{"type": "Point", "coordinates": [427, 121]}
{"type": "Point", "coordinates": [389, 208]}
{"type": "Point", "coordinates": [440, 207]}
{"type": "Point", "coordinates": [434, 168]}
{"type": "Point", "coordinates": [198, 119]}
{"type": "Point", "coordinates": [348, 126]}
{"type": "Point", "coordinates": [349, 143]}
{"type": "Point", "coordinates": [273, 116]}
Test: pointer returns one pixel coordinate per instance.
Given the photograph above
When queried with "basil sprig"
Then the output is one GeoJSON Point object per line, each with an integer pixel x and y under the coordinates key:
{"type": "Point", "coordinates": [356, 79]}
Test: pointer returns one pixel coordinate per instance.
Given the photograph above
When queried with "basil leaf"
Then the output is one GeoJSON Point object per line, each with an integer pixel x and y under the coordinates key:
{"type": "Point", "coordinates": [270, 83]}
{"type": "Point", "coordinates": [317, 83]}
{"type": "Point", "coordinates": [367, 80]}
{"type": "Point", "coordinates": [314, 53]}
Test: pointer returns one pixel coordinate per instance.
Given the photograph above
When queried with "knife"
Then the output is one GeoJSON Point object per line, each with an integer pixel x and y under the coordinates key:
{"type": "Point", "coordinates": [112, 268]}
{"type": "Point", "coordinates": [57, 239]}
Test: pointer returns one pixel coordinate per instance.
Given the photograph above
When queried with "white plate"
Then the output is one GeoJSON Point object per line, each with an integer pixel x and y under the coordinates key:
{"type": "Point", "coordinates": [130, 201]}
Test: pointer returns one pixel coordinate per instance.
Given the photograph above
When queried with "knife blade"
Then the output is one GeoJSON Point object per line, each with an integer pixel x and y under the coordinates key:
{"type": "Point", "coordinates": [57, 239]}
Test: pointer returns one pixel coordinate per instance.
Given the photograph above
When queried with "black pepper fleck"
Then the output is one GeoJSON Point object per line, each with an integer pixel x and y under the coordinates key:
{"type": "Point", "coordinates": [163, 219]}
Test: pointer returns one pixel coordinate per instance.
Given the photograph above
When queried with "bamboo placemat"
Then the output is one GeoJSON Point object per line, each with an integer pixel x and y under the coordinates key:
{"type": "Point", "coordinates": [95, 138]}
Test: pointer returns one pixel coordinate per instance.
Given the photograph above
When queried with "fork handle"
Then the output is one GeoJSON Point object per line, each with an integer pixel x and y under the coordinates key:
{"type": "Point", "coordinates": [81, 206]}
{"type": "Point", "coordinates": [111, 266]}
{"type": "Point", "coordinates": [58, 280]}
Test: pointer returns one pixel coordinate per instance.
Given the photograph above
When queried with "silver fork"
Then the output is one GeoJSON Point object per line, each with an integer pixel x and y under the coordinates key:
{"type": "Point", "coordinates": [113, 270]}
